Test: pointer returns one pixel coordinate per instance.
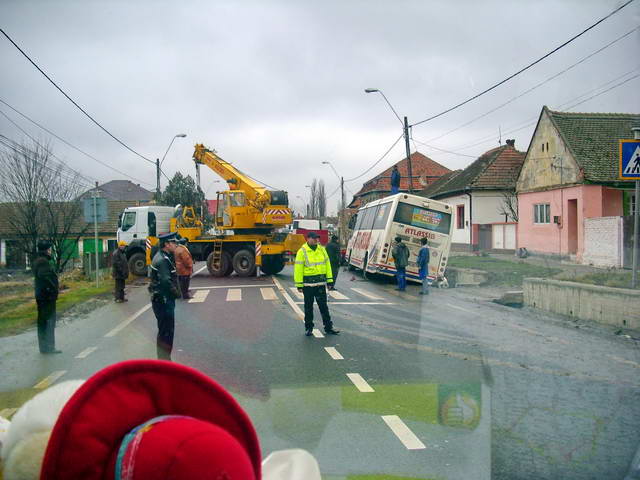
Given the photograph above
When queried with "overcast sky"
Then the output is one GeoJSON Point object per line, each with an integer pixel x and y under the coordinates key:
{"type": "Point", "coordinates": [277, 87]}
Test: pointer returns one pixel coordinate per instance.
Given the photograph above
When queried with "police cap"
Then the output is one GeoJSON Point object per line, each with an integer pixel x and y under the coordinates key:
{"type": "Point", "coordinates": [167, 237]}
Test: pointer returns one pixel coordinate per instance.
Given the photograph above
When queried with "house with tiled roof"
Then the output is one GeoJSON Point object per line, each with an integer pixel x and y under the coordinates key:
{"type": "Point", "coordinates": [479, 195]}
{"type": "Point", "coordinates": [570, 198]}
{"type": "Point", "coordinates": [121, 190]}
{"type": "Point", "coordinates": [424, 172]}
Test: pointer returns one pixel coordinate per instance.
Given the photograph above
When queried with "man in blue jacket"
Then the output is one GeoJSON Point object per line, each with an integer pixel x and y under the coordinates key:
{"type": "Point", "coordinates": [395, 180]}
{"type": "Point", "coordinates": [423, 265]}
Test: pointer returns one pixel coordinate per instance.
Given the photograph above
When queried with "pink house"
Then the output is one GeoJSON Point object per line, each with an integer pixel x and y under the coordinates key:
{"type": "Point", "coordinates": [570, 174]}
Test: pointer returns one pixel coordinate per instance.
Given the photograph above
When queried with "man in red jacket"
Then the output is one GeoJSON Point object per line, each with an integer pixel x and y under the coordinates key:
{"type": "Point", "coordinates": [184, 267]}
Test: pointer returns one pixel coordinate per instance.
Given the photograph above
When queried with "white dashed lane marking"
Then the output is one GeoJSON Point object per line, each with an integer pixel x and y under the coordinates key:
{"type": "Point", "coordinates": [360, 383]}
{"type": "Point", "coordinates": [234, 295]}
{"type": "Point", "coordinates": [404, 434]}
{"type": "Point", "coordinates": [268, 294]}
{"type": "Point", "coordinates": [199, 297]}
{"type": "Point", "coordinates": [333, 353]}
{"type": "Point", "coordinates": [48, 381]}
{"type": "Point", "coordinates": [86, 352]}
{"type": "Point", "coordinates": [128, 321]}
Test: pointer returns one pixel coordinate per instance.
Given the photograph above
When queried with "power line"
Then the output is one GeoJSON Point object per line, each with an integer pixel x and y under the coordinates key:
{"type": "Point", "coordinates": [604, 91]}
{"type": "Point", "coordinates": [377, 161]}
{"type": "Point", "coordinates": [72, 101]}
{"type": "Point", "coordinates": [547, 80]}
{"type": "Point", "coordinates": [510, 77]}
{"type": "Point", "coordinates": [442, 149]}
{"type": "Point", "coordinates": [62, 162]}
{"type": "Point", "coordinates": [71, 145]}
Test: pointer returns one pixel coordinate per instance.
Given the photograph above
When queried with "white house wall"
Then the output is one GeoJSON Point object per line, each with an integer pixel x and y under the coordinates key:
{"type": "Point", "coordinates": [487, 206]}
{"type": "Point", "coordinates": [462, 235]}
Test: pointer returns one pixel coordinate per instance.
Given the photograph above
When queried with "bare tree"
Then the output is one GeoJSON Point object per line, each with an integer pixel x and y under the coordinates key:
{"type": "Point", "coordinates": [509, 206]}
{"type": "Point", "coordinates": [313, 199]}
{"type": "Point", "coordinates": [40, 199]}
{"type": "Point", "coordinates": [322, 200]}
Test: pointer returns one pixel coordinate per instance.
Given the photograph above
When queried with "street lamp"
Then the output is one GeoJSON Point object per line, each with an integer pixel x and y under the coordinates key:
{"type": "Point", "coordinates": [405, 127]}
{"type": "Point", "coordinates": [327, 162]}
{"type": "Point", "coordinates": [159, 163]}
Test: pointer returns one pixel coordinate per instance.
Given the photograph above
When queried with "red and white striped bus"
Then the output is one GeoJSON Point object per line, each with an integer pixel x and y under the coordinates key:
{"type": "Point", "coordinates": [410, 217]}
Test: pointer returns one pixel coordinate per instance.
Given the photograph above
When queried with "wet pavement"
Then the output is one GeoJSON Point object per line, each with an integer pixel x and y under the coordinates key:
{"type": "Point", "coordinates": [449, 386]}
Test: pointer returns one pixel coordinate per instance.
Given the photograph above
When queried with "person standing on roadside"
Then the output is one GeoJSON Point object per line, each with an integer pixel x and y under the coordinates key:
{"type": "Point", "coordinates": [120, 271]}
{"type": "Point", "coordinates": [46, 293]}
{"type": "Point", "coordinates": [164, 291]}
{"type": "Point", "coordinates": [401, 259]}
{"type": "Point", "coordinates": [333, 250]}
{"type": "Point", "coordinates": [423, 265]}
{"type": "Point", "coordinates": [395, 180]}
{"type": "Point", "coordinates": [312, 276]}
{"type": "Point", "coordinates": [184, 267]}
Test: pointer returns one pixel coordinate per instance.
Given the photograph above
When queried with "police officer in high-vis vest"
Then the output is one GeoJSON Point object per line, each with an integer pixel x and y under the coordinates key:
{"type": "Point", "coordinates": [312, 275]}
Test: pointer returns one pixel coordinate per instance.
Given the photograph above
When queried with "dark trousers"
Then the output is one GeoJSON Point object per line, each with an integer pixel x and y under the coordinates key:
{"type": "Point", "coordinates": [119, 289]}
{"type": "Point", "coordinates": [165, 315]}
{"type": "Point", "coordinates": [335, 269]}
{"type": "Point", "coordinates": [319, 293]}
{"type": "Point", "coordinates": [184, 281]}
{"type": "Point", "coordinates": [46, 325]}
{"type": "Point", "coordinates": [402, 278]}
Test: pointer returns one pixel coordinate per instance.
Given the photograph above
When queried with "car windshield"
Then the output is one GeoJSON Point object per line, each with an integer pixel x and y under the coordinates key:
{"type": "Point", "coordinates": [413, 255]}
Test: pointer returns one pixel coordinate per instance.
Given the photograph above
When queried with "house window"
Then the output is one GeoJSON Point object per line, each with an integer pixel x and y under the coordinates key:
{"type": "Point", "coordinates": [460, 217]}
{"type": "Point", "coordinates": [632, 204]}
{"type": "Point", "coordinates": [542, 213]}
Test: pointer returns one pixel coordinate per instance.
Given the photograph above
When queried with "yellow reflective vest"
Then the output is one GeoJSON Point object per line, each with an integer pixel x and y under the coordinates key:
{"type": "Point", "coordinates": [312, 267]}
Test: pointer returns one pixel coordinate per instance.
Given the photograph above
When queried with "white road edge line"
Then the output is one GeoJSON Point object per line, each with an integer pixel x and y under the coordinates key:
{"type": "Point", "coordinates": [333, 353]}
{"type": "Point", "coordinates": [128, 321]}
{"type": "Point", "coordinates": [404, 434]}
{"type": "Point", "coordinates": [48, 381]}
{"type": "Point", "coordinates": [198, 271]}
{"type": "Point", "coordinates": [86, 352]}
{"type": "Point", "coordinates": [288, 298]}
{"type": "Point", "coordinates": [7, 412]}
{"type": "Point", "coordinates": [317, 333]}
{"type": "Point", "coordinates": [459, 308]}
{"type": "Point", "coordinates": [360, 383]}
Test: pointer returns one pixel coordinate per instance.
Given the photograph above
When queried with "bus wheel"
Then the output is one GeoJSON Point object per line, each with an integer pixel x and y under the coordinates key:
{"type": "Point", "coordinates": [364, 266]}
{"type": "Point", "coordinates": [138, 264]}
{"type": "Point", "coordinates": [244, 263]}
{"type": "Point", "coordinates": [225, 267]}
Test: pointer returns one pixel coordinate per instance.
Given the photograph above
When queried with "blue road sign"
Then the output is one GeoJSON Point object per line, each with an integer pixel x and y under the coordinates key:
{"type": "Point", "coordinates": [629, 159]}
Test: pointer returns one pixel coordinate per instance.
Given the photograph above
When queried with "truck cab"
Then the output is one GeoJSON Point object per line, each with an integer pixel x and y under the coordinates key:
{"type": "Point", "coordinates": [135, 225]}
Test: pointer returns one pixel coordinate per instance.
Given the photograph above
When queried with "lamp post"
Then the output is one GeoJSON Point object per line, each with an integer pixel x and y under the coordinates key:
{"type": "Point", "coordinates": [327, 162]}
{"type": "Point", "coordinates": [405, 129]}
{"type": "Point", "coordinates": [160, 162]}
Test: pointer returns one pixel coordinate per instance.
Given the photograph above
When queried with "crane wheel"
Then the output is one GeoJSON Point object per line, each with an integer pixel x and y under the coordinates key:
{"type": "Point", "coordinates": [225, 265]}
{"type": "Point", "coordinates": [244, 263]}
{"type": "Point", "coordinates": [272, 264]}
{"type": "Point", "coordinates": [138, 264]}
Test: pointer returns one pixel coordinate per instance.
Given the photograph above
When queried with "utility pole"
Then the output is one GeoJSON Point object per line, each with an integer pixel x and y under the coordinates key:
{"type": "Point", "coordinates": [157, 180]}
{"type": "Point", "coordinates": [95, 228]}
{"type": "Point", "coordinates": [341, 193]}
{"type": "Point", "coordinates": [636, 219]}
{"type": "Point", "coordinates": [406, 146]}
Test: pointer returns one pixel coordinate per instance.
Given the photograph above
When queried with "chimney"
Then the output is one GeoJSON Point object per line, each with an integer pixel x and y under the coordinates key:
{"type": "Point", "coordinates": [511, 143]}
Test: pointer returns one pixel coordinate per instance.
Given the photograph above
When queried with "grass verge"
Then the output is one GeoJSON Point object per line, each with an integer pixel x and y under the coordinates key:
{"type": "Point", "coordinates": [19, 310]}
{"type": "Point", "coordinates": [503, 272]}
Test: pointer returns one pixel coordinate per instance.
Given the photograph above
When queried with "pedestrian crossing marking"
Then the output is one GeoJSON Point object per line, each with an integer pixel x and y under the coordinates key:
{"type": "Point", "coordinates": [7, 412]}
{"type": "Point", "coordinates": [234, 295]}
{"type": "Point", "coordinates": [317, 333]}
{"type": "Point", "coordinates": [366, 294]}
{"type": "Point", "coordinates": [199, 297]}
{"type": "Point", "coordinates": [337, 295]}
{"type": "Point", "coordinates": [360, 383]}
{"type": "Point", "coordinates": [268, 293]}
{"type": "Point", "coordinates": [333, 353]}
{"type": "Point", "coordinates": [404, 434]}
{"type": "Point", "coordinates": [86, 352]}
{"type": "Point", "coordinates": [298, 294]}
{"type": "Point", "coordinates": [48, 381]}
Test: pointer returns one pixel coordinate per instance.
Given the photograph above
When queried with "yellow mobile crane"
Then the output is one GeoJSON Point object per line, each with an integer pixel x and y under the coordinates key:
{"type": "Point", "coordinates": [247, 221]}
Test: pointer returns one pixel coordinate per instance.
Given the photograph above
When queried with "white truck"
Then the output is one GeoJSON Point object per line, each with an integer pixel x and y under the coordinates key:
{"type": "Point", "coordinates": [135, 225]}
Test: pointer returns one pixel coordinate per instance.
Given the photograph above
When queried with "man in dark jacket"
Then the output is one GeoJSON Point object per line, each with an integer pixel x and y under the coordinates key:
{"type": "Point", "coordinates": [164, 291]}
{"type": "Point", "coordinates": [46, 293]}
{"type": "Point", "coordinates": [395, 180]}
{"type": "Point", "coordinates": [333, 250]}
{"type": "Point", "coordinates": [120, 271]}
{"type": "Point", "coordinates": [401, 260]}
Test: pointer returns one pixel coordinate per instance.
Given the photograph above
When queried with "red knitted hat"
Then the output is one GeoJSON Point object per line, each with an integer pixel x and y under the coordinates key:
{"type": "Point", "coordinates": [150, 419]}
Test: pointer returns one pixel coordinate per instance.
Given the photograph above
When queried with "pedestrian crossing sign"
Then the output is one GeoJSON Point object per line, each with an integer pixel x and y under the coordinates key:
{"type": "Point", "coordinates": [630, 159]}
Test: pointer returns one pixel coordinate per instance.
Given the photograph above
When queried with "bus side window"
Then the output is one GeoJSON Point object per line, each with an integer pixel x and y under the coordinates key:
{"type": "Point", "coordinates": [367, 221]}
{"type": "Point", "coordinates": [361, 215]}
{"type": "Point", "coordinates": [382, 216]}
{"type": "Point", "coordinates": [352, 222]}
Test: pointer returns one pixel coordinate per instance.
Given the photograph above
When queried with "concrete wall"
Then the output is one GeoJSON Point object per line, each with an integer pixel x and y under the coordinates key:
{"type": "Point", "coordinates": [610, 306]}
{"type": "Point", "coordinates": [603, 242]}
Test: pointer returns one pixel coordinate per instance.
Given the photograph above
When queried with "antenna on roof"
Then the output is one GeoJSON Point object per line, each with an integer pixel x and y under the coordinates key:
{"type": "Point", "coordinates": [499, 135]}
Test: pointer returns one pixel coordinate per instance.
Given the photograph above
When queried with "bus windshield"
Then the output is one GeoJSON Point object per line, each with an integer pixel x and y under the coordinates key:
{"type": "Point", "coordinates": [420, 217]}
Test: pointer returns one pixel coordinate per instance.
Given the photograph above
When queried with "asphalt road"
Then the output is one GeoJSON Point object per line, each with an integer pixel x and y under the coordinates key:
{"type": "Point", "coordinates": [449, 386]}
